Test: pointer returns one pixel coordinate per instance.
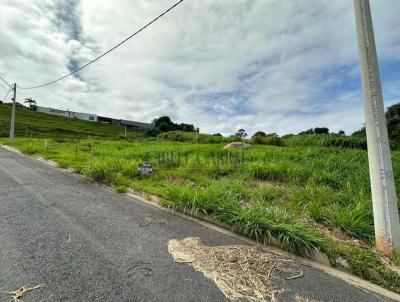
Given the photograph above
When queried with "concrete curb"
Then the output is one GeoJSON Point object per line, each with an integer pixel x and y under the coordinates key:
{"type": "Point", "coordinates": [206, 221]}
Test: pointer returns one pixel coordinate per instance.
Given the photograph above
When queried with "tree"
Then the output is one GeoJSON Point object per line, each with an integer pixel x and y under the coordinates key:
{"type": "Point", "coordinates": [321, 130]}
{"type": "Point", "coordinates": [341, 132]}
{"type": "Point", "coordinates": [309, 131]}
{"type": "Point", "coordinates": [241, 133]}
{"type": "Point", "coordinates": [165, 124]}
{"type": "Point", "coordinates": [258, 133]}
{"type": "Point", "coordinates": [165, 127]}
{"type": "Point", "coordinates": [162, 120]}
{"type": "Point", "coordinates": [186, 127]}
{"type": "Point", "coordinates": [360, 132]}
{"type": "Point", "coordinates": [152, 132]}
{"type": "Point", "coordinates": [32, 104]}
{"type": "Point", "coordinates": [393, 122]}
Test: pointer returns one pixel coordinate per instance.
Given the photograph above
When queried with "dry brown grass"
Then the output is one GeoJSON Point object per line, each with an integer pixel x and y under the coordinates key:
{"type": "Point", "coordinates": [303, 299]}
{"type": "Point", "coordinates": [16, 295]}
{"type": "Point", "coordinates": [240, 272]}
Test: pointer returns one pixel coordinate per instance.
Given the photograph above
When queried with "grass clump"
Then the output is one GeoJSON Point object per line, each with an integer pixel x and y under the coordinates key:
{"type": "Point", "coordinates": [269, 194]}
{"type": "Point", "coordinates": [275, 225]}
{"type": "Point", "coordinates": [353, 220]}
{"type": "Point", "coordinates": [269, 171]}
{"type": "Point", "coordinates": [262, 223]}
{"type": "Point", "coordinates": [120, 188]}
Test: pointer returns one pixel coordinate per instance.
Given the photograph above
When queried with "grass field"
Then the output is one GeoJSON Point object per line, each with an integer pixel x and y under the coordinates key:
{"type": "Point", "coordinates": [303, 197]}
{"type": "Point", "coordinates": [37, 124]}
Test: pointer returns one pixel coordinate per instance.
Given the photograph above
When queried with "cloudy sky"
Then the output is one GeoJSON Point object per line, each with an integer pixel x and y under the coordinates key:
{"type": "Point", "coordinates": [273, 65]}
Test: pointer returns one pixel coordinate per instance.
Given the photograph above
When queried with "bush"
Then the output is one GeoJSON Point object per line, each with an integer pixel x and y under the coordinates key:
{"type": "Point", "coordinates": [152, 132]}
{"type": "Point", "coordinates": [271, 139]}
{"type": "Point", "coordinates": [258, 133]}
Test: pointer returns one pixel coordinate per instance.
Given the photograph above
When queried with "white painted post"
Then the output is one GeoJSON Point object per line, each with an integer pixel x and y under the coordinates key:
{"type": "Point", "coordinates": [384, 199]}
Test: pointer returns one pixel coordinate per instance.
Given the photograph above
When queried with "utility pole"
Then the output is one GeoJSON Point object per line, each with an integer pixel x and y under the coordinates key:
{"type": "Point", "coordinates": [11, 141]}
{"type": "Point", "coordinates": [384, 199]}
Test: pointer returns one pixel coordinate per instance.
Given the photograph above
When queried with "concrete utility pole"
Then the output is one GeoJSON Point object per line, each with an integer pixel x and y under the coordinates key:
{"type": "Point", "coordinates": [11, 140]}
{"type": "Point", "coordinates": [386, 217]}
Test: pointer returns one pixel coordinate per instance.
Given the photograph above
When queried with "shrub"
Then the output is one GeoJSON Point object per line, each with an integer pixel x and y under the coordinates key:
{"type": "Point", "coordinates": [258, 133]}
{"type": "Point", "coordinates": [271, 139]}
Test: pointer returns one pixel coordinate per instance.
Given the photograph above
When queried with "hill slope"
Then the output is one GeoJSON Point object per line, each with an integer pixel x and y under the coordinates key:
{"type": "Point", "coordinates": [38, 124]}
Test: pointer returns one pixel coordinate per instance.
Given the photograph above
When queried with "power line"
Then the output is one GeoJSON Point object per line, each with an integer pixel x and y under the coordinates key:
{"type": "Point", "coordinates": [8, 84]}
{"type": "Point", "coordinates": [3, 86]}
{"type": "Point", "coordinates": [5, 97]}
{"type": "Point", "coordinates": [108, 51]}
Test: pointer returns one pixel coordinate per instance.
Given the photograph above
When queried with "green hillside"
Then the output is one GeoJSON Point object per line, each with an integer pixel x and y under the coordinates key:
{"type": "Point", "coordinates": [37, 124]}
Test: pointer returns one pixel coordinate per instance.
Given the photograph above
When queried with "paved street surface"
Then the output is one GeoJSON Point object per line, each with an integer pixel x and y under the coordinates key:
{"type": "Point", "coordinates": [86, 243]}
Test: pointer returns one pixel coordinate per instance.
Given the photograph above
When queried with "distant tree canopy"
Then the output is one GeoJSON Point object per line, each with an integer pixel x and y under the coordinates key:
{"type": "Point", "coordinates": [241, 133]}
{"type": "Point", "coordinates": [32, 104]}
{"type": "Point", "coordinates": [360, 132]}
{"type": "Point", "coordinates": [392, 115]}
{"type": "Point", "coordinates": [259, 133]}
{"type": "Point", "coordinates": [309, 131]}
{"type": "Point", "coordinates": [393, 122]}
{"type": "Point", "coordinates": [165, 124]}
{"type": "Point", "coordinates": [321, 130]}
{"type": "Point", "coordinates": [317, 130]}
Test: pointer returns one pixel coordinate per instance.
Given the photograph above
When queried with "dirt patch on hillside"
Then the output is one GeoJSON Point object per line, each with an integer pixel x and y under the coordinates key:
{"type": "Point", "coordinates": [237, 145]}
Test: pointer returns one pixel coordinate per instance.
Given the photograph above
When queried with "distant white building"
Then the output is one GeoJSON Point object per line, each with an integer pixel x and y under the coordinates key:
{"type": "Point", "coordinates": [95, 118]}
{"type": "Point", "coordinates": [67, 113]}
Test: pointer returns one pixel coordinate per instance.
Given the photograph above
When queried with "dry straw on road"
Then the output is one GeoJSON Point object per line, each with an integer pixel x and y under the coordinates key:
{"type": "Point", "coordinates": [303, 299]}
{"type": "Point", "coordinates": [16, 295]}
{"type": "Point", "coordinates": [242, 273]}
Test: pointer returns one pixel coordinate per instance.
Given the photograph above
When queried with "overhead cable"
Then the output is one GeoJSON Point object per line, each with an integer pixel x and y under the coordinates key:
{"type": "Point", "coordinates": [107, 52]}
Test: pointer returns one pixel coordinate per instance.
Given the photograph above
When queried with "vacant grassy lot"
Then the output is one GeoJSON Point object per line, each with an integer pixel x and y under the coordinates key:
{"type": "Point", "coordinates": [303, 197]}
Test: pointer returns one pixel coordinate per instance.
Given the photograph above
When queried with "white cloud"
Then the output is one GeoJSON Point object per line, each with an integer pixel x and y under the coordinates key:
{"type": "Point", "coordinates": [276, 66]}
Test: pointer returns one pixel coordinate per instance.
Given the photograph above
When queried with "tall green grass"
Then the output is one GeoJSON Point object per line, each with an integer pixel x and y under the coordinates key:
{"type": "Point", "coordinates": [265, 223]}
{"type": "Point", "coordinates": [329, 186]}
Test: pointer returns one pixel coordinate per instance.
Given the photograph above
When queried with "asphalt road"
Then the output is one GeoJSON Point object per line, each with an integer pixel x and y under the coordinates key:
{"type": "Point", "coordinates": [85, 242]}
